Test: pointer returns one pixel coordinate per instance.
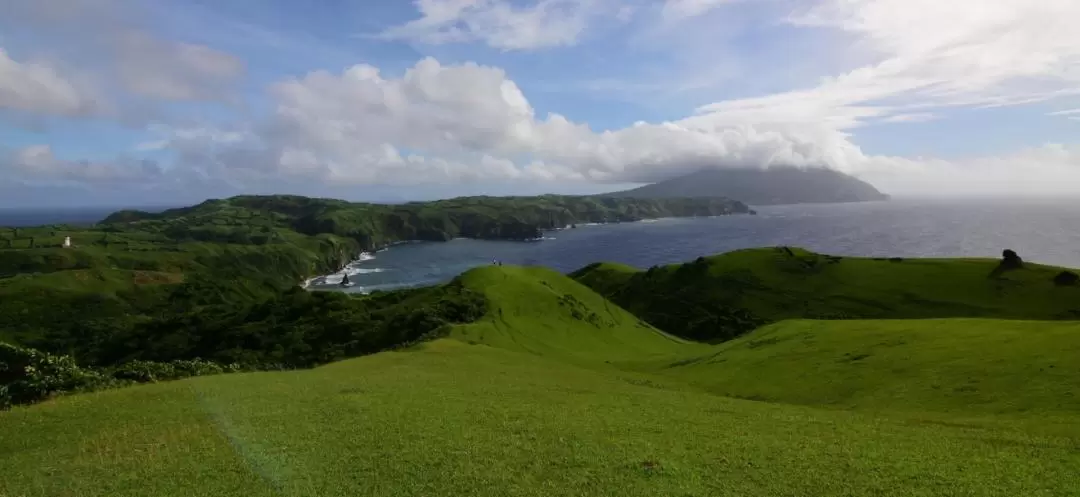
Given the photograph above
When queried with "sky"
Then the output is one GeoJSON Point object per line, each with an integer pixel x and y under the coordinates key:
{"type": "Point", "coordinates": [169, 102]}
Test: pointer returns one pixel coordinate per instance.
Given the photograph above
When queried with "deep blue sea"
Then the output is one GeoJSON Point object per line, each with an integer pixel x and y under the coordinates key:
{"type": "Point", "coordinates": [1046, 231]}
{"type": "Point", "coordinates": [37, 217]}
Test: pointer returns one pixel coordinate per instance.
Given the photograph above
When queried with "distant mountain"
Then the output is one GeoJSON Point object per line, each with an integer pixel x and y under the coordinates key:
{"type": "Point", "coordinates": [773, 186]}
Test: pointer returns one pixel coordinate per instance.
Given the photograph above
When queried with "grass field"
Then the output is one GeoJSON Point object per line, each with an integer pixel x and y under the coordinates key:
{"type": "Point", "coordinates": [558, 392]}
{"type": "Point", "coordinates": [455, 419]}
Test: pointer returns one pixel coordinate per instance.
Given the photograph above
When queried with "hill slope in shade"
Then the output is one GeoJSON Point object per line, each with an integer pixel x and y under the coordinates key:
{"type": "Point", "coordinates": [773, 186]}
{"type": "Point", "coordinates": [971, 366]}
{"type": "Point", "coordinates": [720, 297]}
{"type": "Point", "coordinates": [454, 419]}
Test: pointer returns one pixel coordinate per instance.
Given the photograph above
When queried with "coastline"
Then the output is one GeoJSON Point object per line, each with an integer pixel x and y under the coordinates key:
{"type": "Point", "coordinates": [370, 254]}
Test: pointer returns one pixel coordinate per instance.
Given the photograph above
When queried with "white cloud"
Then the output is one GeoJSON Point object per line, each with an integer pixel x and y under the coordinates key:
{"type": "Point", "coordinates": [682, 9]}
{"type": "Point", "coordinates": [1049, 169]}
{"type": "Point", "coordinates": [498, 23]}
{"type": "Point", "coordinates": [38, 88]}
{"type": "Point", "coordinates": [467, 123]}
{"type": "Point", "coordinates": [442, 124]}
{"type": "Point", "coordinates": [915, 117]}
{"type": "Point", "coordinates": [439, 123]}
{"type": "Point", "coordinates": [1068, 112]}
{"type": "Point", "coordinates": [935, 54]}
{"type": "Point", "coordinates": [39, 163]}
{"type": "Point", "coordinates": [103, 41]}
{"type": "Point", "coordinates": [169, 70]}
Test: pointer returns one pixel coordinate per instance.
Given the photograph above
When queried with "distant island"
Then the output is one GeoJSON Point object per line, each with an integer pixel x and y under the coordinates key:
{"type": "Point", "coordinates": [772, 186]}
{"type": "Point", "coordinates": [245, 219]}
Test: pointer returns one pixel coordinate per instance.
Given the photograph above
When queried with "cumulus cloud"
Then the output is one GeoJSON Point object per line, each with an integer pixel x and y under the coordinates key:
{"type": "Point", "coordinates": [39, 89]}
{"type": "Point", "coordinates": [461, 123]}
{"type": "Point", "coordinates": [469, 123]}
{"type": "Point", "coordinates": [499, 23]}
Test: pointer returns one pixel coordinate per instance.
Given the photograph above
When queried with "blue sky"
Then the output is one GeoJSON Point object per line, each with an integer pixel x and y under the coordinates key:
{"type": "Point", "coordinates": [112, 102]}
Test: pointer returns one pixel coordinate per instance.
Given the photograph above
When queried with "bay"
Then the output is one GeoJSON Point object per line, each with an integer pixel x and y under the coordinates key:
{"type": "Point", "coordinates": [1040, 230]}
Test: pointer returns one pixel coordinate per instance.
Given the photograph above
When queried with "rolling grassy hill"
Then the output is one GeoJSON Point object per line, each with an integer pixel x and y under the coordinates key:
{"type": "Point", "coordinates": [960, 366]}
{"type": "Point", "coordinates": [539, 311]}
{"type": "Point", "coordinates": [557, 392]}
{"type": "Point", "coordinates": [720, 297]}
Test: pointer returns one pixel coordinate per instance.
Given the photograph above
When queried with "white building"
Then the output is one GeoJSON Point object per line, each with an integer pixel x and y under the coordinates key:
{"type": "Point", "coordinates": [67, 242]}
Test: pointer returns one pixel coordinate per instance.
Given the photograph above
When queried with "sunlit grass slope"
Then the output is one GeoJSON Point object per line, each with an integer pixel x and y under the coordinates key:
{"type": "Point", "coordinates": [540, 311]}
{"type": "Point", "coordinates": [968, 366]}
{"type": "Point", "coordinates": [454, 419]}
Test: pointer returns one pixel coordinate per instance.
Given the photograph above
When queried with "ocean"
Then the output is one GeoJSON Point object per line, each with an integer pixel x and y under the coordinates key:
{"type": "Point", "coordinates": [78, 216]}
{"type": "Point", "coordinates": [1044, 231]}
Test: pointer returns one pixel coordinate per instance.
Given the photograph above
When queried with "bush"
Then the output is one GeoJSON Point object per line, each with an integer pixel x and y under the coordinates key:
{"type": "Point", "coordinates": [28, 375]}
{"type": "Point", "coordinates": [1066, 278]}
{"type": "Point", "coordinates": [150, 371]}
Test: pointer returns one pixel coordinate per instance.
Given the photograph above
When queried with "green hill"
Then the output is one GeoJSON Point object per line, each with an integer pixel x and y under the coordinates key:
{"type": "Point", "coordinates": [542, 312]}
{"type": "Point", "coordinates": [720, 297]}
{"type": "Point", "coordinates": [966, 366]}
{"type": "Point", "coordinates": [555, 391]}
{"type": "Point", "coordinates": [963, 366]}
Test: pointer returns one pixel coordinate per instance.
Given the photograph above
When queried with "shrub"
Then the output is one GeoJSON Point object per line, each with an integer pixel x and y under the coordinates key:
{"type": "Point", "coordinates": [150, 371]}
{"type": "Point", "coordinates": [28, 375]}
{"type": "Point", "coordinates": [1066, 278]}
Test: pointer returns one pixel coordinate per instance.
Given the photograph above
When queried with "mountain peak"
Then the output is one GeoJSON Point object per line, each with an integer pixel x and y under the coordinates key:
{"type": "Point", "coordinates": [772, 186]}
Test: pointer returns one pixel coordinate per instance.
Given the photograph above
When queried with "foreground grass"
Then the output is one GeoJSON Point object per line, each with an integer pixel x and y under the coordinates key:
{"type": "Point", "coordinates": [458, 419]}
{"type": "Point", "coordinates": [556, 391]}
